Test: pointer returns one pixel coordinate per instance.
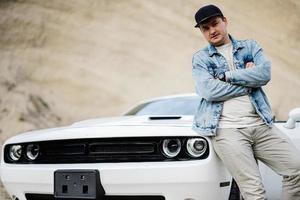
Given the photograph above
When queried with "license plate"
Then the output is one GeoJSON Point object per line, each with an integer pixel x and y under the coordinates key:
{"type": "Point", "coordinates": [78, 184]}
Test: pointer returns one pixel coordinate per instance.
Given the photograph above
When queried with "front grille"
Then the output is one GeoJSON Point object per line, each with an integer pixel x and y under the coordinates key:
{"type": "Point", "coordinates": [51, 197]}
{"type": "Point", "coordinates": [100, 150]}
{"type": "Point", "coordinates": [123, 148]}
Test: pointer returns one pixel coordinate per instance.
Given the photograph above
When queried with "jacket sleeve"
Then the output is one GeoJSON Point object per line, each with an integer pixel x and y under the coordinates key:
{"type": "Point", "coordinates": [254, 77]}
{"type": "Point", "coordinates": [213, 89]}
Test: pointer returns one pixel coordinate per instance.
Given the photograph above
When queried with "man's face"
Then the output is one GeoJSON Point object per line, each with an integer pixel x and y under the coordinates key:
{"type": "Point", "coordinates": [214, 31]}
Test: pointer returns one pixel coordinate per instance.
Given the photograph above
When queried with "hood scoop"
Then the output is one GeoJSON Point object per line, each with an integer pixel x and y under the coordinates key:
{"type": "Point", "coordinates": [164, 117]}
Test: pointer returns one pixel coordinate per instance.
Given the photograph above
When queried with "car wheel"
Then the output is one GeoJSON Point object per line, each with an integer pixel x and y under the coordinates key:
{"type": "Point", "coordinates": [235, 192]}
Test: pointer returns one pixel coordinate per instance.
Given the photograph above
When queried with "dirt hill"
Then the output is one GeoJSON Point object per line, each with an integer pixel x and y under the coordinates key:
{"type": "Point", "coordinates": [64, 61]}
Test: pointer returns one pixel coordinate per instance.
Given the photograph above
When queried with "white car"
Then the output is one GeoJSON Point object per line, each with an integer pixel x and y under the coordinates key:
{"type": "Point", "coordinates": [149, 153]}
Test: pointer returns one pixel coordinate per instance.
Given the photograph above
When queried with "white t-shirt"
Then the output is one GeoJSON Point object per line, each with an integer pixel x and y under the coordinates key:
{"type": "Point", "coordinates": [237, 112]}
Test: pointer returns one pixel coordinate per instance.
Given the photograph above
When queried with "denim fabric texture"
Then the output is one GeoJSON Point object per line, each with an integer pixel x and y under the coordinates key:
{"type": "Point", "coordinates": [207, 64]}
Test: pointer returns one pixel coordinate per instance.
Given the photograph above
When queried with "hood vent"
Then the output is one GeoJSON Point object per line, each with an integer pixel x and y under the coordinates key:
{"type": "Point", "coordinates": [164, 117]}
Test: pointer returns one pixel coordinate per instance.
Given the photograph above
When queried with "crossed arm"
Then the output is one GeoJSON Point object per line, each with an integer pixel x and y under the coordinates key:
{"type": "Point", "coordinates": [256, 73]}
{"type": "Point", "coordinates": [238, 82]}
{"type": "Point", "coordinates": [213, 89]}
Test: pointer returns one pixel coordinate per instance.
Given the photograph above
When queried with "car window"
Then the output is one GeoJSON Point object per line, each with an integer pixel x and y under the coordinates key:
{"type": "Point", "coordinates": [172, 106]}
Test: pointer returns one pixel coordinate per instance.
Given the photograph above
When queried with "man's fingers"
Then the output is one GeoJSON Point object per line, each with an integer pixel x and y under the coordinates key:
{"type": "Point", "coordinates": [250, 64]}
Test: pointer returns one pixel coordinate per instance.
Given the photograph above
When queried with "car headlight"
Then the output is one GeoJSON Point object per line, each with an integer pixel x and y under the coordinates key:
{"type": "Point", "coordinates": [196, 147]}
{"type": "Point", "coordinates": [171, 147]}
{"type": "Point", "coordinates": [15, 152]}
{"type": "Point", "coordinates": [32, 151]}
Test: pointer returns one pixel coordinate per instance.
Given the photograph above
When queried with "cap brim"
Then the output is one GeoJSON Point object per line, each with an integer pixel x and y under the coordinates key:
{"type": "Point", "coordinates": [207, 18]}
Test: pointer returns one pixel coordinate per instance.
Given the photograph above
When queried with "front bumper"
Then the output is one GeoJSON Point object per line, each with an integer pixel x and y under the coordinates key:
{"type": "Point", "coordinates": [173, 180]}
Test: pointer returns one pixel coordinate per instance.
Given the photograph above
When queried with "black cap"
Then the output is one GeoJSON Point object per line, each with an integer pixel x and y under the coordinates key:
{"type": "Point", "coordinates": [205, 13]}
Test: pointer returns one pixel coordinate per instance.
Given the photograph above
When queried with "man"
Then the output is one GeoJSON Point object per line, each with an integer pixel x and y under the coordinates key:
{"type": "Point", "coordinates": [235, 111]}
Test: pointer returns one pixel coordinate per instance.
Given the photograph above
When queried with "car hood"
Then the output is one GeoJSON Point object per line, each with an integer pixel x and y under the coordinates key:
{"type": "Point", "coordinates": [145, 120]}
{"type": "Point", "coordinates": [126, 126]}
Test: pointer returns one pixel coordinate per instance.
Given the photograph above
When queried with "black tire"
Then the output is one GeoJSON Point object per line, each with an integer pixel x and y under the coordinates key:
{"type": "Point", "coordinates": [235, 192]}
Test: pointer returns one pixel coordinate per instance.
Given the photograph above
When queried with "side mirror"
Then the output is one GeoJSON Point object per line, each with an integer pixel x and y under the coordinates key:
{"type": "Point", "coordinates": [294, 116]}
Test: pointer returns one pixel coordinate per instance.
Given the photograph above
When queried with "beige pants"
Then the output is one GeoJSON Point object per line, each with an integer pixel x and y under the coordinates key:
{"type": "Point", "coordinates": [239, 149]}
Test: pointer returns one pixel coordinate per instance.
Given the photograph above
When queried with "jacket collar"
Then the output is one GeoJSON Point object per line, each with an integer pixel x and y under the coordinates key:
{"type": "Point", "coordinates": [235, 46]}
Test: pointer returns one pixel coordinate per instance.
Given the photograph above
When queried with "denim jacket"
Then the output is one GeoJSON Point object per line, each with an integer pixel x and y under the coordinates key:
{"type": "Point", "coordinates": [208, 64]}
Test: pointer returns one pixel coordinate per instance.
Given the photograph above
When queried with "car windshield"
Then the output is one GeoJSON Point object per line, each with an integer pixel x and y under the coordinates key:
{"type": "Point", "coordinates": [171, 106]}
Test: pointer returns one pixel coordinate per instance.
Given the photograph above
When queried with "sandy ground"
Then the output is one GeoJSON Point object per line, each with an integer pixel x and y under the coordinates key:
{"type": "Point", "coordinates": [64, 61]}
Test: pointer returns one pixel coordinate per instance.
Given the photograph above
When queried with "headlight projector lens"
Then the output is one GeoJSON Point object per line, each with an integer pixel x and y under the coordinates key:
{"type": "Point", "coordinates": [196, 147]}
{"type": "Point", "coordinates": [171, 147]}
{"type": "Point", "coordinates": [32, 151]}
{"type": "Point", "coordinates": [15, 152]}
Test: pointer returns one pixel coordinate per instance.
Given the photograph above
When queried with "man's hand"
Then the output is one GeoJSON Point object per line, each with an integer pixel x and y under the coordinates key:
{"type": "Point", "coordinates": [250, 64]}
